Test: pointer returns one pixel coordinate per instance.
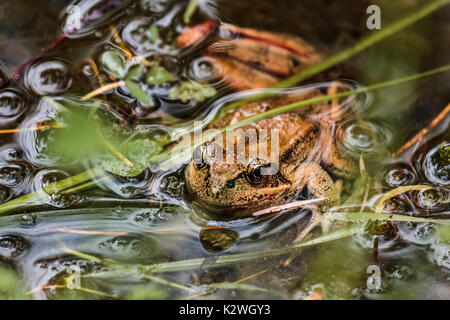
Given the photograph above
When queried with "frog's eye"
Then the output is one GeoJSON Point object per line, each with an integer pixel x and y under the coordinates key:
{"type": "Point", "coordinates": [199, 157]}
{"type": "Point", "coordinates": [254, 174]}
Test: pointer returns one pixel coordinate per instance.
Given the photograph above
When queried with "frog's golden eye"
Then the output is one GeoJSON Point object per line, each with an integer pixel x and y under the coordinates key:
{"type": "Point", "coordinates": [199, 157]}
{"type": "Point", "coordinates": [254, 172]}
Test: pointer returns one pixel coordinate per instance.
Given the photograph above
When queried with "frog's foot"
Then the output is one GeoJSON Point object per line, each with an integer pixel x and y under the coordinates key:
{"type": "Point", "coordinates": [316, 220]}
{"type": "Point", "coordinates": [249, 58]}
{"type": "Point", "coordinates": [320, 184]}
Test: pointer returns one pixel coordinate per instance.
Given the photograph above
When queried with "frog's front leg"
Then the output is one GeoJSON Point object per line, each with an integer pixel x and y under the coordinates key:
{"type": "Point", "coordinates": [320, 184]}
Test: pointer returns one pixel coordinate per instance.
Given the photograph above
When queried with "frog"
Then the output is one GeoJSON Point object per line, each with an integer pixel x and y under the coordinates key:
{"type": "Point", "coordinates": [307, 154]}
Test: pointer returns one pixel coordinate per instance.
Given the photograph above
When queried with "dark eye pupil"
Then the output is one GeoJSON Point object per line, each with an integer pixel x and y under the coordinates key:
{"type": "Point", "coordinates": [257, 172]}
{"type": "Point", "coordinates": [254, 172]}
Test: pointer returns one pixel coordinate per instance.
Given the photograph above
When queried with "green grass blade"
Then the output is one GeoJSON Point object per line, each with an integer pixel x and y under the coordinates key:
{"type": "Point", "coordinates": [367, 216]}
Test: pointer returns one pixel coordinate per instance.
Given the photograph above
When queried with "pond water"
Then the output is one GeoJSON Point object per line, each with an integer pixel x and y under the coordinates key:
{"type": "Point", "coordinates": [134, 231]}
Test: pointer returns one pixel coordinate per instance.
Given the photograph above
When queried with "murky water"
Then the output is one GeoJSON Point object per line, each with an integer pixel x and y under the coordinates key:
{"type": "Point", "coordinates": [148, 218]}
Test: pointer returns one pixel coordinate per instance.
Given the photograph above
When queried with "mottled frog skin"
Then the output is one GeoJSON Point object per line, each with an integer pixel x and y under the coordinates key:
{"type": "Point", "coordinates": [306, 151]}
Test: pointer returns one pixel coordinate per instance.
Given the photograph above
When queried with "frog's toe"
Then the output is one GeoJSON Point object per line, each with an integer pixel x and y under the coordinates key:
{"type": "Point", "coordinates": [316, 219]}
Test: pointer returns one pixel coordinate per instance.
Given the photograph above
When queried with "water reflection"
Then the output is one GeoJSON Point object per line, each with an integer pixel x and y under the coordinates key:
{"type": "Point", "coordinates": [148, 218]}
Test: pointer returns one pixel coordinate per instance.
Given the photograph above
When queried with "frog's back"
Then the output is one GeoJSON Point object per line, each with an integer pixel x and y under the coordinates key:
{"type": "Point", "coordinates": [296, 132]}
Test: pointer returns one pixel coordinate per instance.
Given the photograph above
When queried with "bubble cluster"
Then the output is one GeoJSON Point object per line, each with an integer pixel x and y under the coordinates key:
{"type": "Point", "coordinates": [129, 247]}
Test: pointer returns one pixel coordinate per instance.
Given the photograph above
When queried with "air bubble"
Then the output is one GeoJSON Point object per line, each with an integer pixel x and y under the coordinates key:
{"type": "Point", "coordinates": [50, 77]}
{"type": "Point", "coordinates": [437, 165]}
{"type": "Point", "coordinates": [12, 246]}
{"type": "Point", "coordinates": [365, 137]}
{"type": "Point", "coordinates": [217, 239]}
{"type": "Point", "coordinates": [12, 104]}
{"type": "Point", "coordinates": [400, 176]}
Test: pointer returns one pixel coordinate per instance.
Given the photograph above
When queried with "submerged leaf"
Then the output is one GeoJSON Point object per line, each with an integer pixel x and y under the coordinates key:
{"type": "Point", "coordinates": [159, 75]}
{"type": "Point", "coordinates": [154, 33]}
{"type": "Point", "coordinates": [188, 90]}
{"type": "Point", "coordinates": [443, 233]}
{"type": "Point", "coordinates": [138, 152]}
{"type": "Point", "coordinates": [78, 138]}
{"type": "Point", "coordinates": [135, 89]}
{"type": "Point", "coordinates": [114, 62]}
{"type": "Point", "coordinates": [139, 93]}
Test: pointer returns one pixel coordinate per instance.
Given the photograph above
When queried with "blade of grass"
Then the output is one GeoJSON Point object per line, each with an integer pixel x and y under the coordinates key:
{"type": "Point", "coordinates": [36, 196]}
{"type": "Point", "coordinates": [422, 133]}
{"type": "Point", "coordinates": [244, 257]}
{"type": "Point", "coordinates": [226, 260]}
{"type": "Point", "coordinates": [235, 286]}
{"type": "Point", "coordinates": [190, 10]}
{"type": "Point", "coordinates": [168, 283]}
{"type": "Point", "coordinates": [110, 262]}
{"type": "Point", "coordinates": [397, 191]}
{"type": "Point", "coordinates": [367, 216]}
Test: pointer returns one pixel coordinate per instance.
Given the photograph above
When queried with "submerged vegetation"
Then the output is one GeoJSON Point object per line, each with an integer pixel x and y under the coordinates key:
{"type": "Point", "coordinates": [93, 173]}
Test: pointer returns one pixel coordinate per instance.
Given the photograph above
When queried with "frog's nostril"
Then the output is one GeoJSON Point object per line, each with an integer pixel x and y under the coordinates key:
{"type": "Point", "coordinates": [229, 184]}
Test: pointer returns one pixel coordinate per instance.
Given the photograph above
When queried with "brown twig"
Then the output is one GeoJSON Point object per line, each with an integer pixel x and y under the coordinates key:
{"type": "Point", "coordinates": [422, 133]}
{"type": "Point", "coordinates": [94, 68]}
{"type": "Point", "coordinates": [103, 89]}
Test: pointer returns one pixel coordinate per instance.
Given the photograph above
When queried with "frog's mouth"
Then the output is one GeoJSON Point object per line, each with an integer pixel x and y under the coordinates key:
{"type": "Point", "coordinates": [241, 206]}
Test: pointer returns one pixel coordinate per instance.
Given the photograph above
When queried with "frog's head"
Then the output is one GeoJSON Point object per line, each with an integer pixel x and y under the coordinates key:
{"type": "Point", "coordinates": [237, 187]}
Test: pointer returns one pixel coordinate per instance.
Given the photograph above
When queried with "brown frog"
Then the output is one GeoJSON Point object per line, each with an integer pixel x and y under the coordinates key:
{"type": "Point", "coordinates": [306, 144]}
{"type": "Point", "coordinates": [306, 151]}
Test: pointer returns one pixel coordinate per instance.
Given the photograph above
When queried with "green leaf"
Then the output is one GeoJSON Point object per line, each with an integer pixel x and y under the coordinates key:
{"type": "Point", "coordinates": [369, 216]}
{"type": "Point", "coordinates": [135, 88]}
{"type": "Point", "coordinates": [10, 285]}
{"type": "Point", "coordinates": [188, 90]}
{"type": "Point", "coordinates": [138, 152]}
{"type": "Point", "coordinates": [139, 93]}
{"type": "Point", "coordinates": [154, 33]}
{"type": "Point", "coordinates": [443, 233]}
{"type": "Point", "coordinates": [114, 62]}
{"type": "Point", "coordinates": [135, 73]}
{"type": "Point", "coordinates": [78, 138]}
{"type": "Point", "coordinates": [159, 75]}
